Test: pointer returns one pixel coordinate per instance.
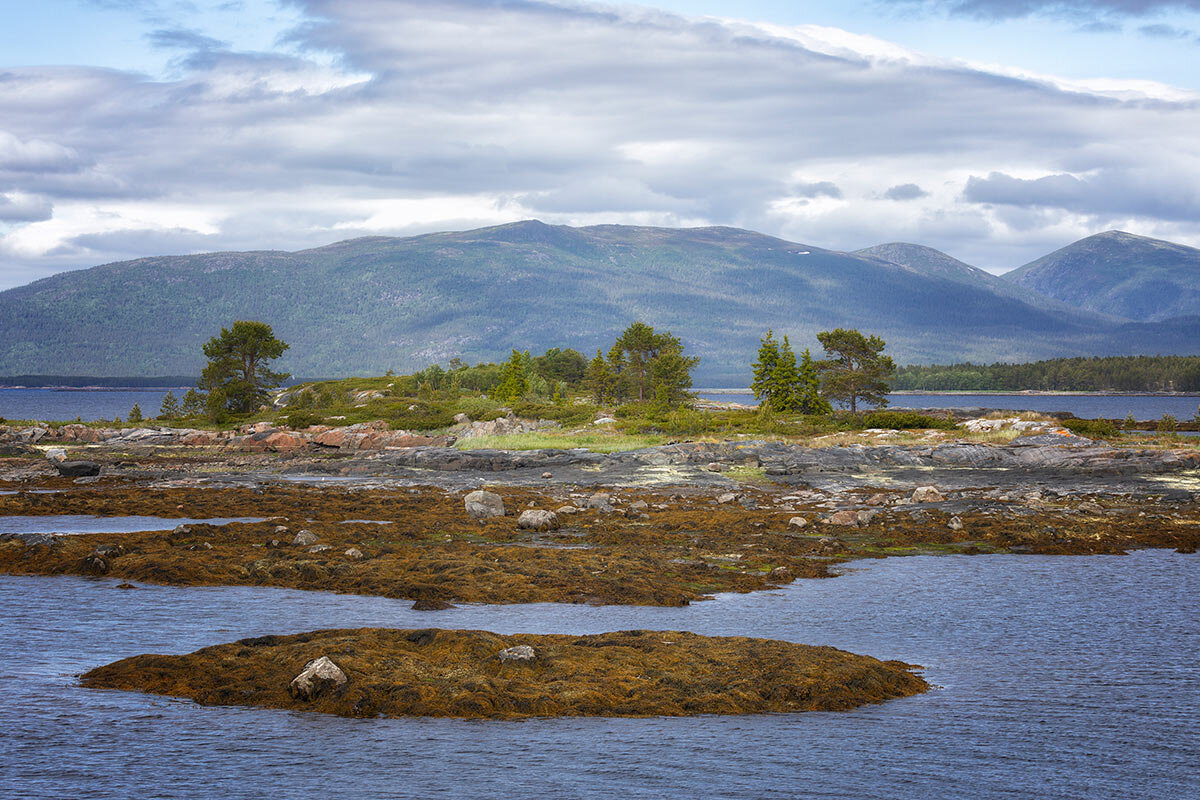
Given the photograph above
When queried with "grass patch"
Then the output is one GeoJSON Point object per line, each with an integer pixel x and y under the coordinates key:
{"type": "Point", "coordinates": [597, 443]}
{"type": "Point", "coordinates": [746, 474]}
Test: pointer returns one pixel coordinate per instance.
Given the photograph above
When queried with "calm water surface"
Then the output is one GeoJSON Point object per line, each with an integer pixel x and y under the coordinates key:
{"type": "Point", "coordinates": [88, 405]}
{"type": "Point", "coordinates": [1142, 407]}
{"type": "Point", "coordinates": [50, 404]}
{"type": "Point", "coordinates": [1064, 677]}
{"type": "Point", "coordinates": [86, 523]}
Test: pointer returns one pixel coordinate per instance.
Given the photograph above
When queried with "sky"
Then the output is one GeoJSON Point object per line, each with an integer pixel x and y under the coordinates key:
{"type": "Point", "coordinates": [994, 130]}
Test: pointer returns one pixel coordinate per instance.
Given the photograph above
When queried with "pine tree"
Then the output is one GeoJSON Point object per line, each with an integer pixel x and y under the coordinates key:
{"type": "Point", "coordinates": [135, 413]}
{"type": "Point", "coordinates": [170, 407]}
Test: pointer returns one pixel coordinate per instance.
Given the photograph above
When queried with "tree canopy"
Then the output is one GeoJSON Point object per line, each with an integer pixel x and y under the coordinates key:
{"type": "Point", "coordinates": [237, 376]}
{"type": "Point", "coordinates": [855, 368]}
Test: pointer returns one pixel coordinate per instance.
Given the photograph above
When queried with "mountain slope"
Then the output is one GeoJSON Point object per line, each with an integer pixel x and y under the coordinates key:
{"type": "Point", "coordinates": [934, 263]}
{"type": "Point", "coordinates": [372, 304]}
{"type": "Point", "coordinates": [1120, 274]}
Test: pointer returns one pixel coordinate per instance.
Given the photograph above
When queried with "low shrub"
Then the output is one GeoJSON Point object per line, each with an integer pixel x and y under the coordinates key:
{"type": "Point", "coordinates": [1092, 428]}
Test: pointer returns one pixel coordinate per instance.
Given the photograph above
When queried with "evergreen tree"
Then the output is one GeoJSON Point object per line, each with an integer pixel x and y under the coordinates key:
{"type": "Point", "coordinates": [193, 403]}
{"type": "Point", "coordinates": [648, 360]}
{"type": "Point", "coordinates": [135, 413]}
{"type": "Point", "coordinates": [600, 381]}
{"type": "Point", "coordinates": [808, 387]}
{"type": "Point", "coordinates": [513, 385]}
{"type": "Point", "coordinates": [170, 407]}
{"type": "Point", "coordinates": [764, 370]}
{"type": "Point", "coordinates": [237, 377]}
{"type": "Point", "coordinates": [784, 380]}
{"type": "Point", "coordinates": [855, 369]}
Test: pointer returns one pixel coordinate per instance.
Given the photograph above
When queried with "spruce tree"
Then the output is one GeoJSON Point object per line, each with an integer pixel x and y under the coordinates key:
{"type": "Point", "coordinates": [784, 380]}
{"type": "Point", "coordinates": [135, 413]}
{"type": "Point", "coordinates": [599, 380]}
{"type": "Point", "coordinates": [808, 388]}
{"type": "Point", "coordinates": [193, 403]}
{"type": "Point", "coordinates": [764, 369]}
{"type": "Point", "coordinates": [513, 385]}
{"type": "Point", "coordinates": [170, 407]}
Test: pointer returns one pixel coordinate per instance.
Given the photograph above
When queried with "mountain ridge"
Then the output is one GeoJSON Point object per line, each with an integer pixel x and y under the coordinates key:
{"type": "Point", "coordinates": [374, 303]}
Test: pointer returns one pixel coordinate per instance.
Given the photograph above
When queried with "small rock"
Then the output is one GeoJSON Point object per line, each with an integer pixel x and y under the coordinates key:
{"type": "Point", "coordinates": [318, 677]}
{"type": "Point", "coordinates": [865, 516]}
{"type": "Point", "coordinates": [281, 529]}
{"type": "Point", "coordinates": [716, 466]}
{"type": "Point", "coordinates": [125, 586]}
{"type": "Point", "coordinates": [110, 550]}
{"type": "Point", "coordinates": [483, 505]}
{"type": "Point", "coordinates": [320, 548]}
{"type": "Point", "coordinates": [877, 499]}
{"type": "Point", "coordinates": [955, 524]}
{"type": "Point", "coordinates": [95, 565]}
{"type": "Point", "coordinates": [927, 494]}
{"type": "Point", "coordinates": [780, 575]}
{"type": "Point", "coordinates": [431, 605]}
{"type": "Point", "coordinates": [537, 520]}
{"type": "Point", "coordinates": [304, 538]}
{"type": "Point", "coordinates": [56, 455]}
{"type": "Point", "coordinates": [728, 497]}
{"type": "Point", "coordinates": [462, 419]}
{"type": "Point", "coordinates": [200, 546]}
{"type": "Point", "coordinates": [547, 474]}
{"type": "Point", "coordinates": [567, 510]}
{"type": "Point", "coordinates": [604, 421]}
{"type": "Point", "coordinates": [797, 522]}
{"type": "Point", "coordinates": [829, 544]}
{"type": "Point", "coordinates": [848, 518]}
{"type": "Point", "coordinates": [354, 554]}
{"type": "Point", "coordinates": [77, 469]}
{"type": "Point", "coordinates": [520, 653]}
{"type": "Point", "coordinates": [272, 543]}
{"type": "Point", "coordinates": [639, 505]}
{"type": "Point", "coordinates": [600, 502]}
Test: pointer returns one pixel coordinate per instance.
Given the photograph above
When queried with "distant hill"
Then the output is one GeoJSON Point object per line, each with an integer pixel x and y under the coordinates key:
{"type": "Point", "coordinates": [1120, 274]}
{"type": "Point", "coordinates": [367, 305]}
{"type": "Point", "coordinates": [936, 264]}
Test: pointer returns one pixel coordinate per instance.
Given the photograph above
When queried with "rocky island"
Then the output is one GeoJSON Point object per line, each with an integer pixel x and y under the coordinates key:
{"type": "Point", "coordinates": [374, 672]}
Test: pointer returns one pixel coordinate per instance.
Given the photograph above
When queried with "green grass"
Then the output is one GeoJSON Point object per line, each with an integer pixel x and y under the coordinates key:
{"type": "Point", "coordinates": [745, 474]}
{"type": "Point", "coordinates": [596, 442]}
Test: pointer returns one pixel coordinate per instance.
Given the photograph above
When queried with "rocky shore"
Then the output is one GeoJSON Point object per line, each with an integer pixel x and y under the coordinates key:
{"type": "Point", "coordinates": [476, 674]}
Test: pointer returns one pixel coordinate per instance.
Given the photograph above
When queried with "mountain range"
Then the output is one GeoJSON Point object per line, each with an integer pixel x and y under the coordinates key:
{"type": "Point", "coordinates": [371, 304]}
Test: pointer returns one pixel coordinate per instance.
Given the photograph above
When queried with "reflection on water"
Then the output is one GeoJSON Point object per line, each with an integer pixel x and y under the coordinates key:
{"type": "Point", "coordinates": [1071, 677]}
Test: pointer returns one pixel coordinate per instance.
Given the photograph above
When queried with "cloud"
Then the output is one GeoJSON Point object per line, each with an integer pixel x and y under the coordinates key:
{"type": "Point", "coordinates": [24, 208]}
{"type": "Point", "coordinates": [184, 39]}
{"type": "Point", "coordinates": [1161, 31]}
{"type": "Point", "coordinates": [1151, 191]}
{"type": "Point", "coordinates": [402, 117]}
{"type": "Point", "coordinates": [905, 191]}
{"type": "Point", "coordinates": [821, 189]}
{"type": "Point", "coordinates": [1013, 9]}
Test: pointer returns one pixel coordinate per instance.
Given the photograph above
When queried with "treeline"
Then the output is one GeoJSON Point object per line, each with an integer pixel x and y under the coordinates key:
{"type": "Point", "coordinates": [1095, 374]}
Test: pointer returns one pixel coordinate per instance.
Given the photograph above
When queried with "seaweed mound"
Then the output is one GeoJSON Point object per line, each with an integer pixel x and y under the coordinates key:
{"type": "Point", "coordinates": [449, 673]}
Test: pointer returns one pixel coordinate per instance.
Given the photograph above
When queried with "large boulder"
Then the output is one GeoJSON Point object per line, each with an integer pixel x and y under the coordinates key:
{"type": "Point", "coordinates": [484, 505]}
{"type": "Point", "coordinates": [77, 469]}
{"type": "Point", "coordinates": [537, 520]}
{"type": "Point", "coordinates": [520, 653]}
{"type": "Point", "coordinates": [318, 677]}
{"type": "Point", "coordinates": [927, 494]}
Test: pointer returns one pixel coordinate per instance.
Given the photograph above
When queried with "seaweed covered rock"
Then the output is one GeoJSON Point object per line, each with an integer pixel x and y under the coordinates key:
{"type": "Point", "coordinates": [471, 674]}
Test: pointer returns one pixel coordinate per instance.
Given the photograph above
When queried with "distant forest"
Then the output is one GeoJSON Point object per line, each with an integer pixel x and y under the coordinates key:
{"type": "Point", "coordinates": [1096, 374]}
